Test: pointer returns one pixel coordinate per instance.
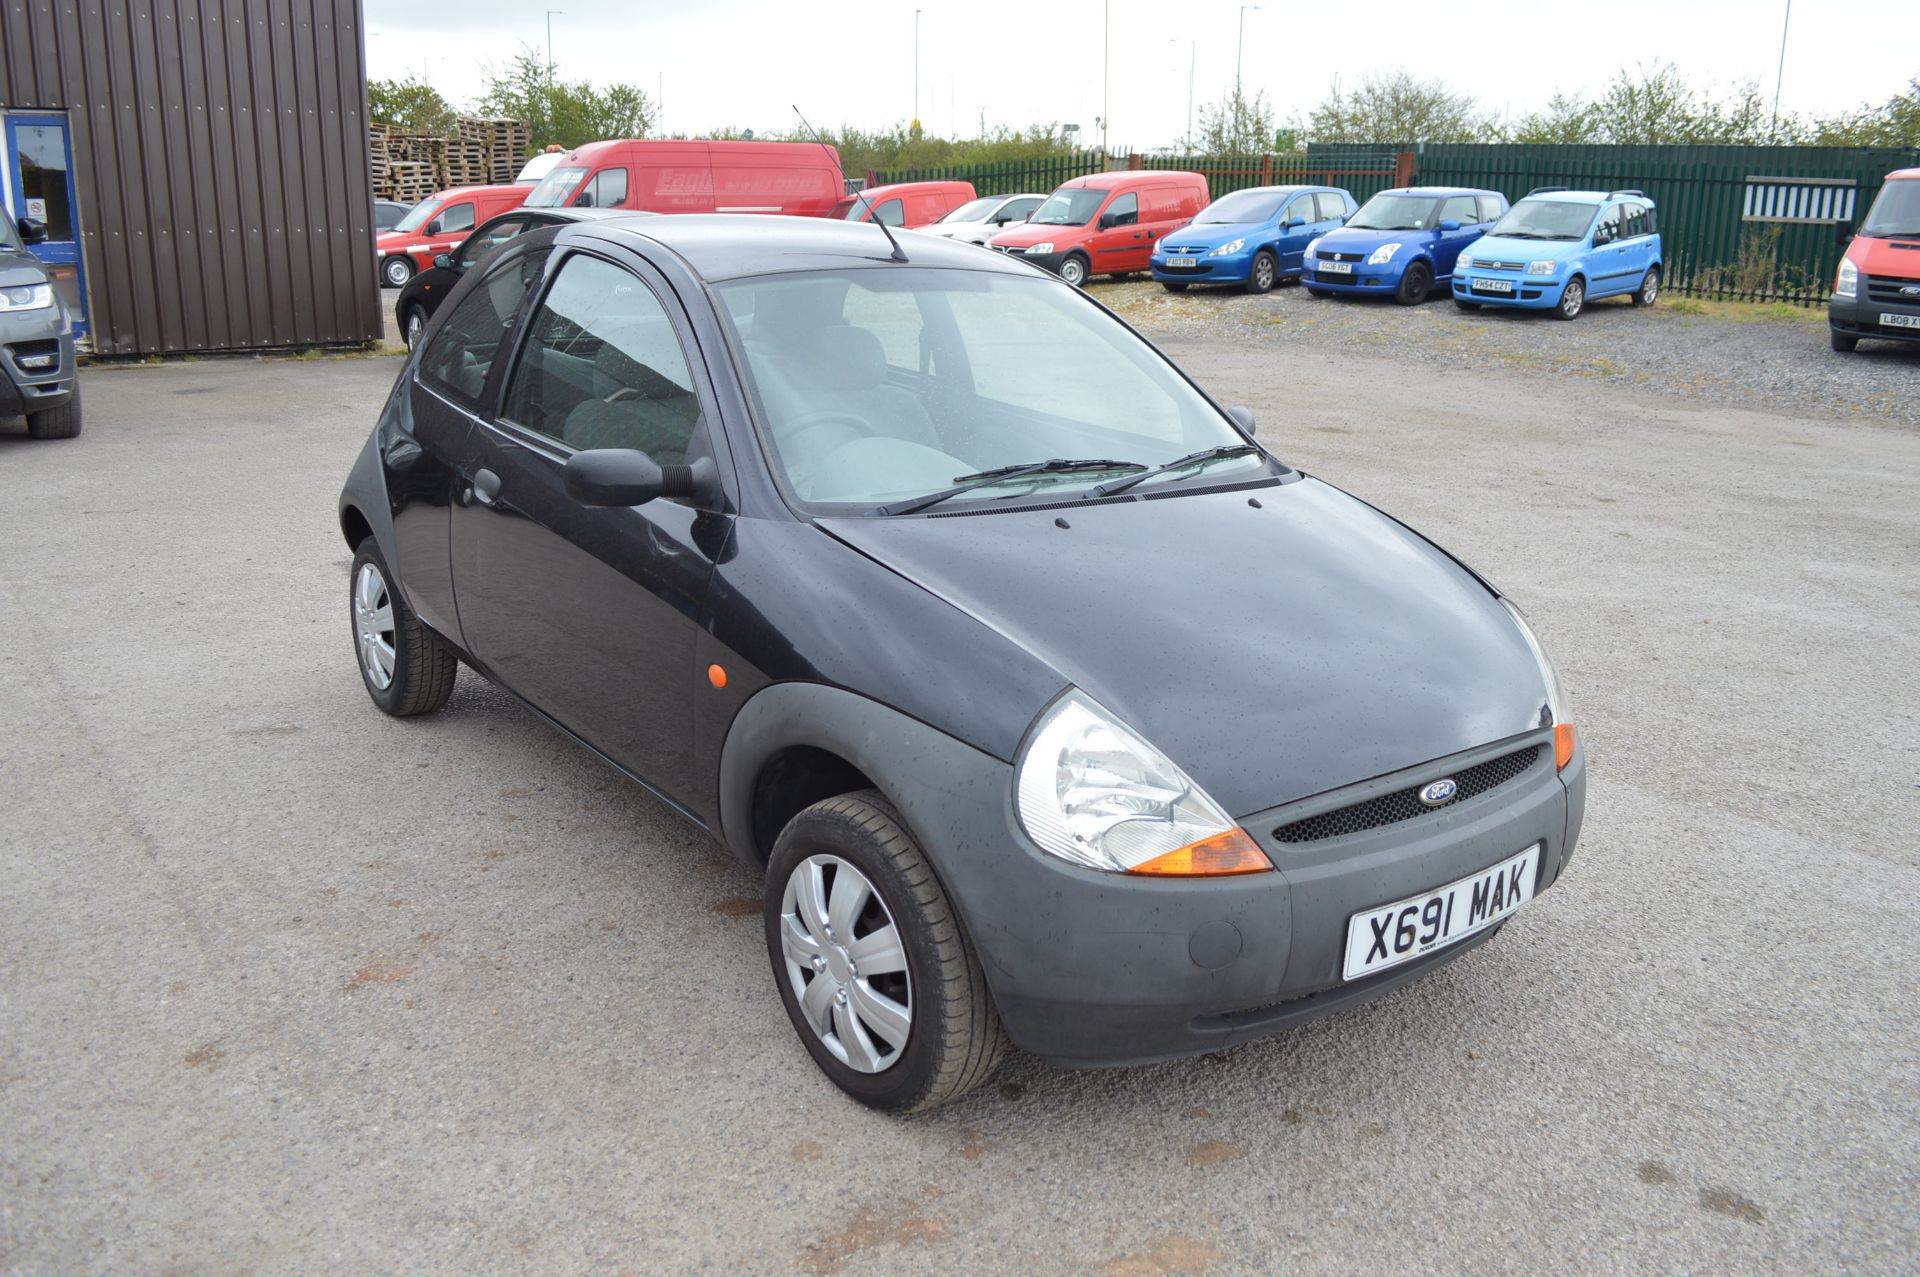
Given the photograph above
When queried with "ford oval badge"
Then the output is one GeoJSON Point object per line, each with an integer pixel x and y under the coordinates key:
{"type": "Point", "coordinates": [1911, 290]}
{"type": "Point", "coordinates": [1439, 793]}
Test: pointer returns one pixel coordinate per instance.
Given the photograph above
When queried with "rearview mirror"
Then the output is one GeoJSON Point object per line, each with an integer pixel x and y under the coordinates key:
{"type": "Point", "coordinates": [1449, 225]}
{"type": "Point", "coordinates": [32, 230]}
{"type": "Point", "coordinates": [1243, 417]}
{"type": "Point", "coordinates": [629, 477]}
{"type": "Point", "coordinates": [443, 260]}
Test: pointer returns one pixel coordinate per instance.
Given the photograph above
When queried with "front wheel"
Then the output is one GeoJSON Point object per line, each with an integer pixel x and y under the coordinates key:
{"type": "Point", "coordinates": [1466, 305]}
{"type": "Point", "coordinates": [1318, 292]}
{"type": "Point", "coordinates": [1414, 284]}
{"type": "Point", "coordinates": [1074, 271]}
{"type": "Point", "coordinates": [873, 968]}
{"type": "Point", "coordinates": [396, 271]}
{"type": "Point", "coordinates": [1649, 290]}
{"type": "Point", "coordinates": [1262, 274]}
{"type": "Point", "coordinates": [408, 670]}
{"type": "Point", "coordinates": [1173, 285]}
{"type": "Point", "coordinates": [1573, 300]}
{"type": "Point", "coordinates": [62, 422]}
{"type": "Point", "coordinates": [1842, 342]}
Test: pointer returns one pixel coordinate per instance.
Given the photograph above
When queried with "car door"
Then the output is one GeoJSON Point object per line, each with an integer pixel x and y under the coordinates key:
{"type": "Point", "coordinates": [1464, 209]}
{"type": "Point", "coordinates": [591, 614]}
{"type": "Point", "coordinates": [1636, 239]}
{"type": "Point", "coordinates": [1013, 212]}
{"type": "Point", "coordinates": [448, 227]}
{"type": "Point", "coordinates": [1291, 245]}
{"type": "Point", "coordinates": [1609, 269]}
{"type": "Point", "coordinates": [1118, 242]}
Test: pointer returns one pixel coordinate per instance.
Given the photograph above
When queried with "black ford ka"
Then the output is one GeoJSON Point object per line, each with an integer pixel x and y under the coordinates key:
{"type": "Point", "coordinates": [1057, 712]}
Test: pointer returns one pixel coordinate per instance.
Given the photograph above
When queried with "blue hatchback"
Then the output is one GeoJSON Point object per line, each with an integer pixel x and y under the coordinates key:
{"type": "Point", "coordinates": [1401, 243]}
{"type": "Point", "coordinates": [1557, 249]}
{"type": "Point", "coordinates": [1252, 238]}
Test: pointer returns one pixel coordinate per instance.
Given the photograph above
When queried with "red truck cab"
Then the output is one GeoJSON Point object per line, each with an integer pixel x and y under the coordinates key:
{"type": "Point", "coordinates": [1105, 223]}
{"type": "Point", "coordinates": [1876, 291]}
{"type": "Point", "coordinates": [436, 225]}
{"type": "Point", "coordinates": [906, 204]}
{"type": "Point", "coordinates": [798, 178]}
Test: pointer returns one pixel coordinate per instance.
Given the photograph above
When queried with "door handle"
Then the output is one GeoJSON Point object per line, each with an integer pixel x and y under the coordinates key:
{"type": "Point", "coordinates": [485, 488]}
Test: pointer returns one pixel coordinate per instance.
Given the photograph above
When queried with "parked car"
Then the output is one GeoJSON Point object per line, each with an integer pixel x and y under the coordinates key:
{"type": "Point", "coordinates": [37, 368]}
{"type": "Point", "coordinates": [980, 220]}
{"type": "Point", "coordinates": [1557, 249]}
{"type": "Point", "coordinates": [908, 204]}
{"type": "Point", "coordinates": [799, 178]}
{"type": "Point", "coordinates": [1105, 223]}
{"type": "Point", "coordinates": [1402, 243]}
{"type": "Point", "coordinates": [1253, 238]}
{"type": "Point", "coordinates": [1061, 772]}
{"type": "Point", "coordinates": [421, 296]}
{"type": "Point", "coordinates": [1876, 290]}
{"type": "Point", "coordinates": [538, 166]}
{"type": "Point", "coordinates": [436, 225]}
{"type": "Point", "coordinates": [387, 214]}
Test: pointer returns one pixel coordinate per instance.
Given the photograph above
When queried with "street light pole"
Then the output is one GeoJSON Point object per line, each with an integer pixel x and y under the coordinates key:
{"type": "Point", "coordinates": [551, 14]}
{"type": "Point", "coordinates": [1780, 72]}
{"type": "Point", "coordinates": [916, 69]}
{"type": "Point", "coordinates": [1106, 77]}
{"type": "Point", "coordinates": [1240, 44]}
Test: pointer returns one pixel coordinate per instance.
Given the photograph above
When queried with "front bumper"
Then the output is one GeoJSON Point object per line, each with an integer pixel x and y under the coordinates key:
{"type": "Point", "coordinates": [1530, 292]}
{"type": "Point", "coordinates": [1049, 262]}
{"type": "Point", "coordinates": [1205, 270]}
{"type": "Point", "coordinates": [1863, 316]}
{"type": "Point", "coordinates": [1093, 969]}
{"type": "Point", "coordinates": [1380, 280]}
{"type": "Point", "coordinates": [37, 364]}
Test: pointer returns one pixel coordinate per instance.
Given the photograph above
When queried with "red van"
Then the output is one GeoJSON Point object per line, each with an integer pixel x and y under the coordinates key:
{"type": "Point", "coordinates": [437, 224]}
{"type": "Point", "coordinates": [1876, 292]}
{"type": "Point", "coordinates": [1105, 223]}
{"type": "Point", "coordinates": [696, 177]}
{"type": "Point", "coordinates": [908, 204]}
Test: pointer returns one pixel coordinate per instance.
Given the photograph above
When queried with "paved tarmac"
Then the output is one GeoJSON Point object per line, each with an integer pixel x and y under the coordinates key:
{"type": "Point", "coordinates": [290, 987]}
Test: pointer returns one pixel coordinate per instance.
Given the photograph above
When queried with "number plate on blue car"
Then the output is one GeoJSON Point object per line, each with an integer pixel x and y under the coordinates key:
{"type": "Point", "coordinates": [1334, 268]}
{"type": "Point", "coordinates": [1492, 285]}
{"type": "Point", "coordinates": [1182, 261]}
{"type": "Point", "coordinates": [1411, 928]}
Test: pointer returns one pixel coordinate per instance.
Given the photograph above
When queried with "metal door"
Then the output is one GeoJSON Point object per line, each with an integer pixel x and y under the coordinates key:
{"type": "Point", "coordinates": [40, 180]}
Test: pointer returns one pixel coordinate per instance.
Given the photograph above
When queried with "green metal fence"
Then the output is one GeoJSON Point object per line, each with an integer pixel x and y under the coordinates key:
{"type": "Point", "coordinates": [1013, 177]}
{"type": "Point", "coordinates": [1362, 172]}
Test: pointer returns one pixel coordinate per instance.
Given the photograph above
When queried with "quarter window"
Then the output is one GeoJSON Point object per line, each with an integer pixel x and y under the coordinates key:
{"type": "Point", "coordinates": [1124, 211]}
{"type": "Point", "coordinates": [458, 358]}
{"type": "Point", "coordinates": [602, 366]}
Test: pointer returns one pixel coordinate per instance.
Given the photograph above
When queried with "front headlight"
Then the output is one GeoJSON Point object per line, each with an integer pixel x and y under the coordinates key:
{"type": "Point", "coordinates": [26, 297]}
{"type": "Point", "coordinates": [1563, 736]}
{"type": "Point", "coordinates": [1090, 791]}
{"type": "Point", "coordinates": [1466, 260]}
{"type": "Point", "coordinates": [1229, 248]}
{"type": "Point", "coordinates": [1544, 266]}
{"type": "Point", "coordinates": [1847, 282]}
{"type": "Point", "coordinates": [1383, 254]}
{"type": "Point", "coordinates": [1045, 246]}
{"type": "Point", "coordinates": [1312, 244]}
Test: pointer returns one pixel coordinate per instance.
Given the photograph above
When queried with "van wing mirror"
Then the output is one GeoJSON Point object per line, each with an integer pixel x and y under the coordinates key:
{"type": "Point", "coordinates": [32, 230]}
{"type": "Point", "coordinates": [1109, 220]}
{"type": "Point", "coordinates": [1842, 231]}
{"type": "Point", "coordinates": [1243, 417]}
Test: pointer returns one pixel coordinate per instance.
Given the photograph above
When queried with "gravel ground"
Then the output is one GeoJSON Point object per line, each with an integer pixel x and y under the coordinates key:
{"type": "Point", "coordinates": [289, 987]}
{"type": "Point", "coordinates": [1735, 354]}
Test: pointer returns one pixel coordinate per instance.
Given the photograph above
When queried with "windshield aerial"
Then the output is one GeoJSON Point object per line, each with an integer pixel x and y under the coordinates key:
{"type": "Point", "coordinates": [882, 391]}
{"type": "Point", "coordinates": [1243, 207]}
{"type": "Point", "coordinates": [1895, 211]}
{"type": "Point", "coordinates": [1395, 213]}
{"type": "Point", "coordinates": [557, 187]}
{"type": "Point", "coordinates": [973, 210]}
{"type": "Point", "coordinates": [1546, 219]}
{"type": "Point", "coordinates": [418, 215]}
{"type": "Point", "coordinates": [1074, 207]}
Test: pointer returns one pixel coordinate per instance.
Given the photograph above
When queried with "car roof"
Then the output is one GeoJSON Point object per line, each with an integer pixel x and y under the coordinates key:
{"type": "Point", "coordinates": [892, 188]}
{"type": "Point", "coordinates": [1126, 177]}
{"type": "Point", "coordinates": [465, 192]}
{"type": "Point", "coordinates": [1902, 174]}
{"type": "Point", "coordinates": [1440, 191]}
{"type": "Point", "coordinates": [1587, 197]}
{"type": "Point", "coordinates": [720, 246]}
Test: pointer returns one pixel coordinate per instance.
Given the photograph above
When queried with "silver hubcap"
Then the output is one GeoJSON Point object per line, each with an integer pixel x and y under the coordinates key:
{"type": "Point", "coordinates": [1073, 272]}
{"type": "Point", "coordinates": [846, 963]}
{"type": "Point", "coordinates": [1570, 301]}
{"type": "Point", "coordinates": [1263, 271]}
{"type": "Point", "coordinates": [373, 625]}
{"type": "Point", "coordinates": [414, 325]}
{"type": "Point", "coordinates": [396, 272]}
{"type": "Point", "coordinates": [1652, 287]}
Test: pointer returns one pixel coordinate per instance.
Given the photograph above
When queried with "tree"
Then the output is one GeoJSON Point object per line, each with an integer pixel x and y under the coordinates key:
{"type": "Point", "coordinates": [1563, 120]}
{"type": "Point", "coordinates": [561, 113]}
{"type": "Point", "coordinates": [1395, 108]}
{"type": "Point", "coordinates": [410, 104]}
{"type": "Point", "coordinates": [1235, 125]}
{"type": "Point", "coordinates": [1656, 105]}
{"type": "Point", "coordinates": [1894, 123]}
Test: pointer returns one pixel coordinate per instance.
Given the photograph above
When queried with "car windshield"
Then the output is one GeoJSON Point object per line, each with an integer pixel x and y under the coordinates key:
{"type": "Point", "coordinates": [1395, 213]}
{"type": "Point", "coordinates": [1074, 207]}
{"type": "Point", "coordinates": [557, 187]}
{"type": "Point", "coordinates": [1244, 207]}
{"type": "Point", "coordinates": [418, 215]}
{"type": "Point", "coordinates": [973, 210]}
{"type": "Point", "coordinates": [1895, 211]}
{"type": "Point", "coordinates": [877, 386]}
{"type": "Point", "coordinates": [1546, 219]}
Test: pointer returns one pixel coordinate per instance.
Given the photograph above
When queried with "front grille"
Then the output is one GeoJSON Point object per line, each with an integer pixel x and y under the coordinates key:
{"type": "Point", "coordinates": [1886, 288]}
{"type": "Point", "coordinates": [1405, 804]}
{"type": "Point", "coordinates": [36, 357]}
{"type": "Point", "coordinates": [1325, 256]}
{"type": "Point", "coordinates": [1481, 263]}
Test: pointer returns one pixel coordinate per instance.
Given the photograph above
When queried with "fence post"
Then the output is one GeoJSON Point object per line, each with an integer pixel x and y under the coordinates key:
{"type": "Point", "coordinates": [1266, 168]}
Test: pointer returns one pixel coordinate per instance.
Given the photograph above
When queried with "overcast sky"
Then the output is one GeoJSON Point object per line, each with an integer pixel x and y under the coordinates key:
{"type": "Point", "coordinates": [742, 62]}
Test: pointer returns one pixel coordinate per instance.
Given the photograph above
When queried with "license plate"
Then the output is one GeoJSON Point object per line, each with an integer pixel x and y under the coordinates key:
{"type": "Point", "coordinates": [1493, 286]}
{"type": "Point", "coordinates": [1899, 321]}
{"type": "Point", "coordinates": [1183, 261]}
{"type": "Point", "coordinates": [1335, 268]}
{"type": "Point", "coordinates": [1410, 928]}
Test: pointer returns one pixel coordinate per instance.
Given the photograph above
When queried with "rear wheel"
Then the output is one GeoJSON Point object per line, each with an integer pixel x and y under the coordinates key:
{"type": "Point", "coordinates": [57, 423]}
{"type": "Point", "coordinates": [1262, 274]}
{"type": "Point", "coordinates": [406, 667]}
{"type": "Point", "coordinates": [1415, 283]}
{"type": "Point", "coordinates": [1573, 300]}
{"type": "Point", "coordinates": [1842, 342]}
{"type": "Point", "coordinates": [1649, 290]}
{"type": "Point", "coordinates": [396, 270]}
{"type": "Point", "coordinates": [414, 323]}
{"type": "Point", "coordinates": [873, 968]}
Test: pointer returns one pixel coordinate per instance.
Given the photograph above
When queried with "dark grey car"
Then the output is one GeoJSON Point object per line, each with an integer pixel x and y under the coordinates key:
{"type": "Point", "coordinates": [36, 340]}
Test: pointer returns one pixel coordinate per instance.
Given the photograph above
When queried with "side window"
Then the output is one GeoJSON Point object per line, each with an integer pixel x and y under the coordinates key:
{"type": "Point", "coordinates": [457, 359]}
{"type": "Point", "coordinates": [891, 212]}
{"type": "Point", "coordinates": [1490, 208]}
{"type": "Point", "coordinates": [1124, 211]}
{"type": "Point", "coordinates": [459, 217]}
{"type": "Point", "coordinates": [608, 189]}
{"type": "Point", "coordinates": [602, 366]}
{"type": "Point", "coordinates": [1302, 208]}
{"type": "Point", "coordinates": [1020, 210]}
{"type": "Point", "coordinates": [1607, 229]}
{"type": "Point", "coordinates": [481, 244]}
{"type": "Point", "coordinates": [1463, 209]}
{"type": "Point", "coordinates": [1331, 207]}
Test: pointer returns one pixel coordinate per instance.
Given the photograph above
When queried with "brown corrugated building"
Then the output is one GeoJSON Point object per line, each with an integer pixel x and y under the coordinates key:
{"type": "Point", "coordinates": [201, 167]}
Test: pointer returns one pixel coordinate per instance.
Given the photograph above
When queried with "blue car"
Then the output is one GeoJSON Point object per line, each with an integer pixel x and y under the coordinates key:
{"type": "Point", "coordinates": [1252, 238]}
{"type": "Point", "coordinates": [1401, 244]}
{"type": "Point", "coordinates": [1558, 249]}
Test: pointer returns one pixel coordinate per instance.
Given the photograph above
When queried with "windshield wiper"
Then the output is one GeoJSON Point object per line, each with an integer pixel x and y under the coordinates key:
{"type": "Point", "coordinates": [1218, 453]}
{"type": "Point", "coordinates": [1000, 474]}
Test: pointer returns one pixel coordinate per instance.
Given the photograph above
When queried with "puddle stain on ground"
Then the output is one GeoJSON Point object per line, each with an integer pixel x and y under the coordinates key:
{"type": "Point", "coordinates": [377, 973]}
{"type": "Point", "coordinates": [1214, 1152]}
{"type": "Point", "coordinates": [973, 1146]}
{"type": "Point", "coordinates": [1169, 1255]}
{"type": "Point", "coordinates": [1656, 1173]}
{"type": "Point", "coordinates": [737, 907]}
{"type": "Point", "coordinates": [206, 1057]}
{"type": "Point", "coordinates": [870, 1229]}
{"type": "Point", "coordinates": [1724, 1201]}
{"type": "Point", "coordinates": [807, 1151]}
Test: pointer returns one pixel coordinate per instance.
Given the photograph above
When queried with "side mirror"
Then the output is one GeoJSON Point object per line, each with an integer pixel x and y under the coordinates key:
{"type": "Point", "coordinates": [1449, 225]}
{"type": "Point", "coordinates": [1109, 220]}
{"type": "Point", "coordinates": [443, 260]}
{"type": "Point", "coordinates": [1842, 232]}
{"type": "Point", "coordinates": [1243, 417]}
{"type": "Point", "coordinates": [32, 230]}
{"type": "Point", "coordinates": [629, 477]}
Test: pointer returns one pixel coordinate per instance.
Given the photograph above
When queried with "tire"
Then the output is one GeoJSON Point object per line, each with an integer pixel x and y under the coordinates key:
{"type": "Point", "coordinates": [1415, 283]}
{"type": "Point", "coordinates": [1074, 270]}
{"type": "Point", "coordinates": [1842, 342]}
{"type": "Point", "coordinates": [953, 1040]}
{"type": "Point", "coordinates": [1173, 285]}
{"type": "Point", "coordinates": [1466, 305]}
{"type": "Point", "coordinates": [1649, 291]}
{"type": "Point", "coordinates": [422, 667]}
{"type": "Point", "coordinates": [396, 270]}
{"type": "Point", "coordinates": [1318, 292]}
{"type": "Point", "coordinates": [62, 422]}
{"type": "Point", "coordinates": [412, 324]}
{"type": "Point", "coordinates": [1573, 299]}
{"type": "Point", "coordinates": [1263, 273]}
